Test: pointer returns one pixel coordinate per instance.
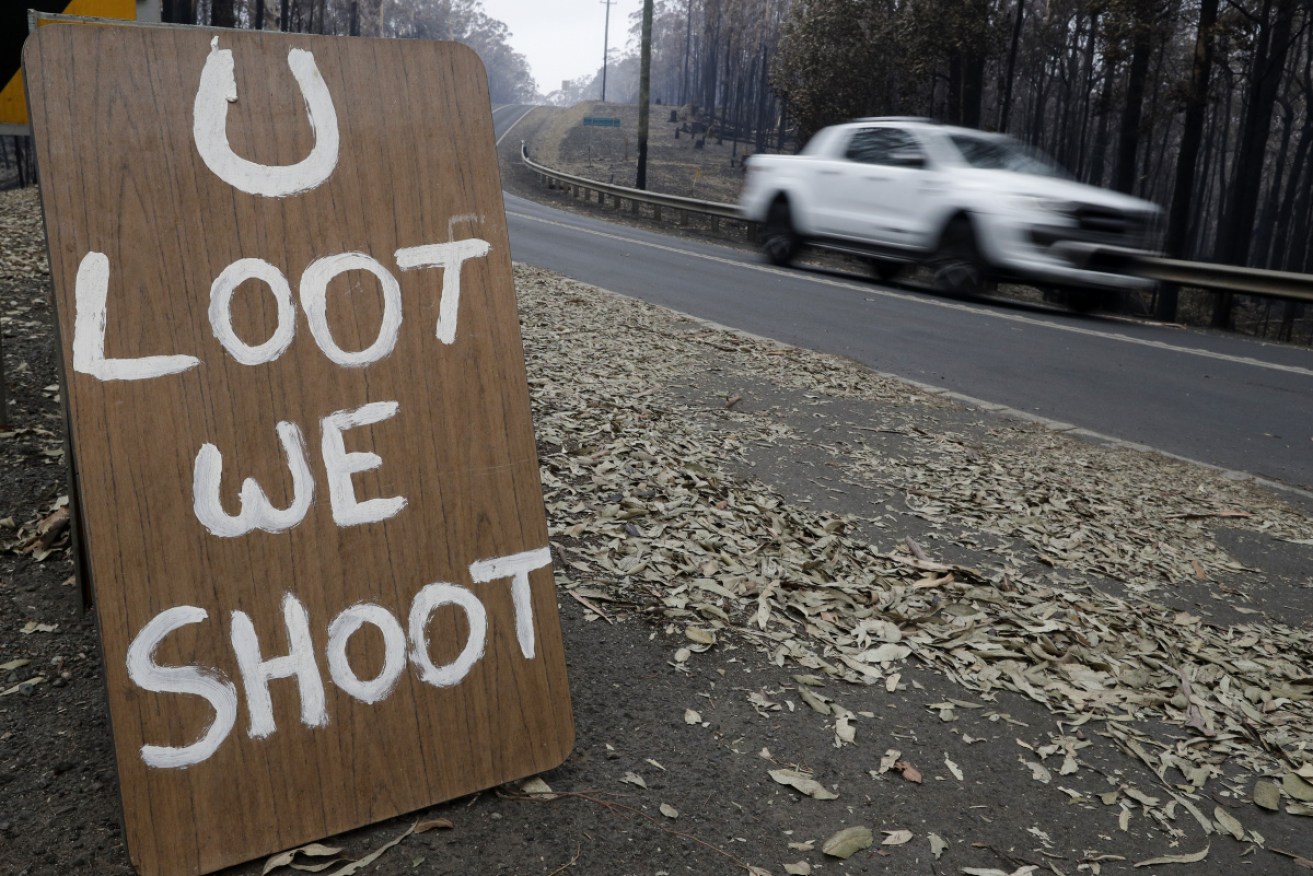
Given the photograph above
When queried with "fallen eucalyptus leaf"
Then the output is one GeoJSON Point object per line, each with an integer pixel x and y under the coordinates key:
{"type": "Point", "coordinates": [848, 842]}
{"type": "Point", "coordinates": [896, 837]}
{"type": "Point", "coordinates": [802, 868]}
{"type": "Point", "coordinates": [886, 653]}
{"type": "Point", "coordinates": [1297, 788]}
{"type": "Point", "coordinates": [803, 783]}
{"type": "Point", "coordinates": [1038, 772]}
{"type": "Point", "coordinates": [434, 824]}
{"type": "Point", "coordinates": [356, 866]}
{"type": "Point", "coordinates": [534, 785]}
{"type": "Point", "coordinates": [311, 850]}
{"type": "Point", "coordinates": [1194, 858]}
{"type": "Point", "coordinates": [701, 636]}
{"type": "Point", "coordinates": [937, 845]}
{"type": "Point", "coordinates": [34, 627]}
{"type": "Point", "coordinates": [669, 811]}
{"type": "Point", "coordinates": [634, 779]}
{"type": "Point", "coordinates": [1228, 823]}
{"type": "Point", "coordinates": [692, 717]}
{"type": "Point", "coordinates": [817, 704]}
{"type": "Point", "coordinates": [844, 731]}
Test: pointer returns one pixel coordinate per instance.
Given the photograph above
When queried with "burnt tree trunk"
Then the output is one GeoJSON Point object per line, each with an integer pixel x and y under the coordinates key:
{"type": "Point", "coordinates": [1236, 237]}
{"type": "Point", "coordinates": [1005, 105]}
{"type": "Point", "coordinates": [1187, 158]}
{"type": "Point", "coordinates": [1128, 138]}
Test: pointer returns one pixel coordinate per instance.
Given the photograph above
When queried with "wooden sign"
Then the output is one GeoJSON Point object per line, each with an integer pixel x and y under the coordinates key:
{"type": "Point", "coordinates": [301, 428]}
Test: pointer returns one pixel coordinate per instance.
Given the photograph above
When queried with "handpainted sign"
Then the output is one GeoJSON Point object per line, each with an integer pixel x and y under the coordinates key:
{"type": "Point", "coordinates": [601, 122]}
{"type": "Point", "coordinates": [13, 31]}
{"type": "Point", "coordinates": [300, 421]}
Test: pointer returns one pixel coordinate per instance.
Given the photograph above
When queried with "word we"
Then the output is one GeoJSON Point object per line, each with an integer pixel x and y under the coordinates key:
{"type": "Point", "coordinates": [259, 513]}
{"type": "Point", "coordinates": [300, 662]}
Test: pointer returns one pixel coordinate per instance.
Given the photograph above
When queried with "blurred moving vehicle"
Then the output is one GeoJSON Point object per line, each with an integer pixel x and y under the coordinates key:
{"type": "Point", "coordinates": [971, 206]}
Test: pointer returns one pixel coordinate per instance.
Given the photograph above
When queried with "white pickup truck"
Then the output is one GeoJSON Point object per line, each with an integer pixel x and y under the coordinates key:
{"type": "Point", "coordinates": [973, 207]}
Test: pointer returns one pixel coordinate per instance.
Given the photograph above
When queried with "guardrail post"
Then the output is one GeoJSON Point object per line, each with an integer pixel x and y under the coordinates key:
{"type": "Point", "coordinates": [683, 218]}
{"type": "Point", "coordinates": [715, 224]}
{"type": "Point", "coordinates": [656, 212]}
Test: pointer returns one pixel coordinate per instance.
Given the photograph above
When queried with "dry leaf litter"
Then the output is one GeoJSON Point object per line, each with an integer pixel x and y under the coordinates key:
{"type": "Point", "coordinates": [645, 510]}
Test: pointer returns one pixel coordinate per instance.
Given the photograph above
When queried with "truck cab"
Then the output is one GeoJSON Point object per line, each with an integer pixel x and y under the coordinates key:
{"type": "Point", "coordinates": [973, 207]}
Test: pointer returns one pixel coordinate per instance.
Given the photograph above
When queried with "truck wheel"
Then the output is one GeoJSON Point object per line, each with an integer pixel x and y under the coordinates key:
{"type": "Point", "coordinates": [958, 267]}
{"type": "Point", "coordinates": [778, 239]}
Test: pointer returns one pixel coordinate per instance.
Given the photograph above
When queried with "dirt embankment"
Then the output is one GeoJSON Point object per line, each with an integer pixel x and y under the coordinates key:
{"type": "Point", "coordinates": [682, 159]}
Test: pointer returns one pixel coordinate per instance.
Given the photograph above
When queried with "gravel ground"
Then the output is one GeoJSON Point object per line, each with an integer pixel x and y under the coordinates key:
{"type": "Point", "coordinates": [798, 599]}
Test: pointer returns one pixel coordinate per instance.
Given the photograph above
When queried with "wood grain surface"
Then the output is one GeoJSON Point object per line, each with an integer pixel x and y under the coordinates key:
{"type": "Point", "coordinates": [112, 109]}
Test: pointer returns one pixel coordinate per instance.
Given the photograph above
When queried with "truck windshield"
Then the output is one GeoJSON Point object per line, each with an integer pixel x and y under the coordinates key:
{"type": "Point", "coordinates": [1001, 153]}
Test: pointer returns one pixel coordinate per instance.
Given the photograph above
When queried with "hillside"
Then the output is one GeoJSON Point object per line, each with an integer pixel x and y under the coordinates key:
{"type": "Point", "coordinates": [676, 164]}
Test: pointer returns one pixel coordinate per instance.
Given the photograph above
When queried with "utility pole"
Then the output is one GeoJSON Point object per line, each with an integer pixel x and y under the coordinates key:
{"type": "Point", "coordinates": [606, 43]}
{"type": "Point", "coordinates": [644, 93]}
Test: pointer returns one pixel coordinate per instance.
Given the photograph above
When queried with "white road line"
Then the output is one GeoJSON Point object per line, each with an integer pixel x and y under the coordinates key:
{"type": "Point", "coordinates": [514, 123]}
{"type": "Point", "coordinates": [919, 299]}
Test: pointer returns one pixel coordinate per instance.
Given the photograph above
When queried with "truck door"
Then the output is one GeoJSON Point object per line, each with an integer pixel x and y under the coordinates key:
{"type": "Point", "coordinates": [842, 184]}
{"type": "Point", "coordinates": [883, 201]}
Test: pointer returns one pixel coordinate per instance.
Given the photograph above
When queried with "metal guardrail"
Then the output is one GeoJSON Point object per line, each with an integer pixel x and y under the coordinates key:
{"type": "Point", "coordinates": [1194, 275]}
{"type": "Point", "coordinates": [684, 207]}
{"type": "Point", "coordinates": [1225, 278]}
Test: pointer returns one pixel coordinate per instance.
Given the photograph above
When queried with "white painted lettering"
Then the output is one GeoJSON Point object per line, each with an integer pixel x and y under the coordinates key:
{"type": "Point", "coordinates": [91, 295]}
{"type": "Point", "coordinates": [221, 322]}
{"type": "Point", "coordinates": [314, 298]}
{"type": "Point", "coordinates": [426, 602]}
{"type": "Point", "coordinates": [299, 661]}
{"type": "Point", "coordinates": [394, 652]}
{"type": "Point", "coordinates": [257, 511]}
{"type": "Point", "coordinates": [218, 88]}
{"type": "Point", "coordinates": [192, 680]}
{"type": "Point", "coordinates": [516, 567]}
{"type": "Point", "coordinates": [341, 465]}
{"type": "Point", "coordinates": [450, 257]}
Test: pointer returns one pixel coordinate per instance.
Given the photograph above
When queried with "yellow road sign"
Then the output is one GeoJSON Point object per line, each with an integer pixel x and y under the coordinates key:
{"type": "Point", "coordinates": [13, 31]}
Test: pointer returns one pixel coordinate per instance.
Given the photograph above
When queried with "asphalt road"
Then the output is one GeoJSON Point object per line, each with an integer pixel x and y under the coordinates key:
{"type": "Point", "coordinates": [1220, 399]}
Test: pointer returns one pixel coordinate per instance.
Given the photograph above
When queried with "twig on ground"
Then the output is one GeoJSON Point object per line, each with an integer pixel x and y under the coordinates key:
{"type": "Point", "coordinates": [568, 864]}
